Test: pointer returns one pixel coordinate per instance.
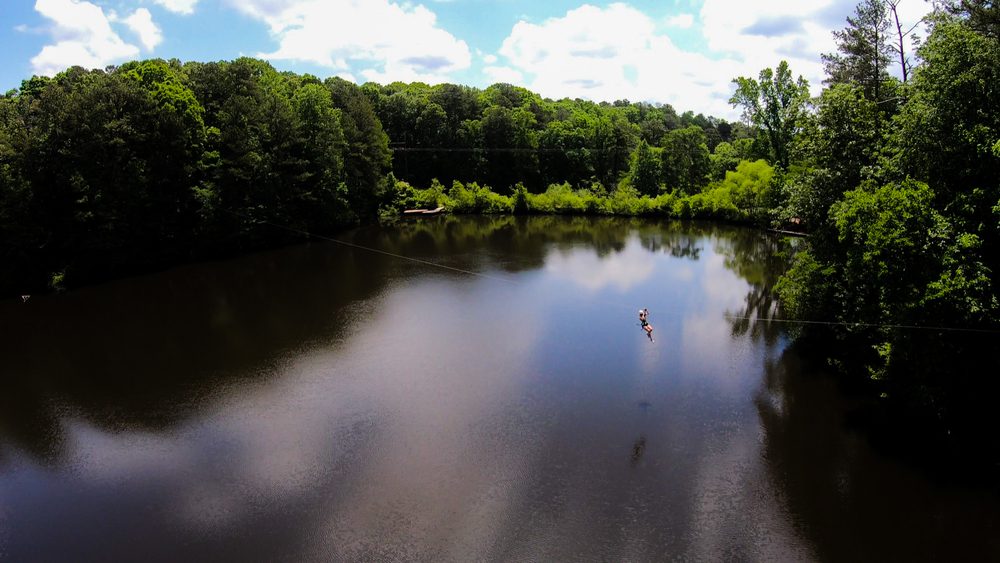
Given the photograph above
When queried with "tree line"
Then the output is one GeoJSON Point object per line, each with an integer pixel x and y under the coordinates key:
{"type": "Point", "coordinates": [105, 172]}
{"type": "Point", "coordinates": [113, 171]}
{"type": "Point", "coordinates": [505, 135]}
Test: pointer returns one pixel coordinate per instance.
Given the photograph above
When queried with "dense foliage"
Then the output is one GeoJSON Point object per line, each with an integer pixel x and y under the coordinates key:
{"type": "Point", "coordinates": [154, 162]}
{"type": "Point", "coordinates": [899, 184]}
{"type": "Point", "coordinates": [505, 135]}
{"type": "Point", "coordinates": [107, 172]}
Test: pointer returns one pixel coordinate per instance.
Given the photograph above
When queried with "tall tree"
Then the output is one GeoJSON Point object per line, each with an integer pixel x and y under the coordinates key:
{"type": "Point", "coordinates": [321, 192]}
{"type": "Point", "coordinates": [614, 140]}
{"type": "Point", "coordinates": [251, 148]}
{"type": "Point", "coordinates": [863, 50]}
{"type": "Point", "coordinates": [369, 158]}
{"type": "Point", "coordinates": [917, 242]}
{"type": "Point", "coordinates": [685, 159]}
{"type": "Point", "coordinates": [645, 171]}
{"type": "Point", "coordinates": [840, 144]}
{"type": "Point", "coordinates": [949, 132]}
{"type": "Point", "coordinates": [565, 149]}
{"type": "Point", "coordinates": [510, 142]}
{"type": "Point", "coordinates": [19, 231]}
{"type": "Point", "coordinates": [774, 105]}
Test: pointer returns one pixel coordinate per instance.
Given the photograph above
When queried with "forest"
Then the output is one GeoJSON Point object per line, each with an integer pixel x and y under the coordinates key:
{"type": "Point", "coordinates": [105, 173]}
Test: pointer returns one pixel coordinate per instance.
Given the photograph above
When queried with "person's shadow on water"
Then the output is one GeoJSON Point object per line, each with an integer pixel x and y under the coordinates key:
{"type": "Point", "coordinates": [638, 448]}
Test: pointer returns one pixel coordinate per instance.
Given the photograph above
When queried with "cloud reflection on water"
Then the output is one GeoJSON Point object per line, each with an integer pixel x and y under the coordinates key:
{"type": "Point", "coordinates": [622, 271]}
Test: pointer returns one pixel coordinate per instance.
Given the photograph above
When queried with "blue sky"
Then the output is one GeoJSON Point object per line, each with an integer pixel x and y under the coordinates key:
{"type": "Point", "coordinates": [681, 52]}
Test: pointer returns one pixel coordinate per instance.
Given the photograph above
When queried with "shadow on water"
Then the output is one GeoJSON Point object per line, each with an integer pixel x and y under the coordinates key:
{"type": "Point", "coordinates": [143, 352]}
{"type": "Point", "coordinates": [851, 502]}
{"type": "Point", "coordinates": [639, 447]}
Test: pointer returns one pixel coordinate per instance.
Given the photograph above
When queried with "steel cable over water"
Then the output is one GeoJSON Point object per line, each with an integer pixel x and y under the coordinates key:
{"type": "Point", "coordinates": [617, 303]}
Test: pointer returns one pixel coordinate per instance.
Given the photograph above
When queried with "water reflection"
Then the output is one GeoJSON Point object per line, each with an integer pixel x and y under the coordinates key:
{"type": "Point", "coordinates": [326, 403]}
{"type": "Point", "coordinates": [143, 353]}
{"type": "Point", "coordinates": [851, 503]}
{"type": "Point", "coordinates": [760, 259]}
{"type": "Point", "coordinates": [624, 270]}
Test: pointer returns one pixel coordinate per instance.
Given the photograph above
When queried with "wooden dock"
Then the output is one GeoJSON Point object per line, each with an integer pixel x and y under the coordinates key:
{"type": "Point", "coordinates": [435, 211]}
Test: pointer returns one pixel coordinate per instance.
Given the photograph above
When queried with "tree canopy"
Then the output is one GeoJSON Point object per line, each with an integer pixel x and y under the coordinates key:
{"type": "Point", "coordinates": [903, 201]}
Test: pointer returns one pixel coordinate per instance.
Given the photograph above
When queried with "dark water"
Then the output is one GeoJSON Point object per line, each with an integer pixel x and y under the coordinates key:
{"type": "Point", "coordinates": [326, 403]}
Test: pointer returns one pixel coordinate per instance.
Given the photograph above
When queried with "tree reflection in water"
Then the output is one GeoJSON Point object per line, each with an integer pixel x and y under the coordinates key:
{"type": "Point", "coordinates": [760, 259]}
{"type": "Point", "coordinates": [850, 502]}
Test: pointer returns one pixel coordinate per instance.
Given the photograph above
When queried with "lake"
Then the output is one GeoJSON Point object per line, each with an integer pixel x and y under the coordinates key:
{"type": "Point", "coordinates": [478, 389]}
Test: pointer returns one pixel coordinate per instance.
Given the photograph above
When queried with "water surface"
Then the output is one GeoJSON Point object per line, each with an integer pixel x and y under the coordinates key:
{"type": "Point", "coordinates": [324, 402]}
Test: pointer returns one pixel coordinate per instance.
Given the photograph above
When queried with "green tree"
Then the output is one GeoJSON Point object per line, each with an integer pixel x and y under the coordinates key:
{"type": "Point", "coordinates": [18, 228]}
{"type": "Point", "coordinates": [510, 146]}
{"type": "Point", "coordinates": [644, 174]}
{"type": "Point", "coordinates": [727, 156]}
{"type": "Point", "coordinates": [774, 104]}
{"type": "Point", "coordinates": [864, 50]}
{"type": "Point", "coordinates": [983, 15]}
{"type": "Point", "coordinates": [253, 151]}
{"type": "Point", "coordinates": [893, 238]}
{"type": "Point", "coordinates": [947, 132]}
{"type": "Point", "coordinates": [653, 120]}
{"type": "Point", "coordinates": [750, 188]}
{"type": "Point", "coordinates": [566, 148]}
{"type": "Point", "coordinates": [109, 162]}
{"type": "Point", "coordinates": [906, 232]}
{"type": "Point", "coordinates": [841, 144]}
{"type": "Point", "coordinates": [369, 159]}
{"type": "Point", "coordinates": [460, 103]}
{"type": "Point", "coordinates": [613, 142]}
{"type": "Point", "coordinates": [321, 199]}
{"type": "Point", "coordinates": [685, 159]}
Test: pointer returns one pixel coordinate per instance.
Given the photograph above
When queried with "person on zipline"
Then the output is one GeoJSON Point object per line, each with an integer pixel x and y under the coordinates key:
{"type": "Point", "coordinates": [644, 321]}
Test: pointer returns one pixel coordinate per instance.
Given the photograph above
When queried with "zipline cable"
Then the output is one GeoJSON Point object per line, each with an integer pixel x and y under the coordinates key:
{"type": "Point", "coordinates": [510, 281]}
{"type": "Point", "coordinates": [865, 325]}
{"type": "Point", "coordinates": [370, 249]}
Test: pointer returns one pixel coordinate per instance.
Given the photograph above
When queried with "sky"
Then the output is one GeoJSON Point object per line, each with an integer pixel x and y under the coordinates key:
{"type": "Point", "coordinates": [679, 52]}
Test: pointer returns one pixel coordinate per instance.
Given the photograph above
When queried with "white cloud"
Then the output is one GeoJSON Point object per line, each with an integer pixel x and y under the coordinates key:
{"type": "Point", "coordinates": [503, 74]}
{"type": "Point", "coordinates": [682, 21]}
{"type": "Point", "coordinates": [490, 59]}
{"type": "Point", "coordinates": [616, 52]}
{"type": "Point", "coordinates": [768, 32]}
{"type": "Point", "coordinates": [141, 23]}
{"type": "Point", "coordinates": [347, 76]}
{"type": "Point", "coordinates": [613, 53]}
{"type": "Point", "coordinates": [83, 36]}
{"type": "Point", "coordinates": [762, 33]}
{"type": "Point", "coordinates": [394, 41]}
{"type": "Point", "coordinates": [185, 7]}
